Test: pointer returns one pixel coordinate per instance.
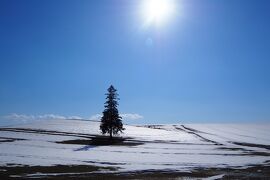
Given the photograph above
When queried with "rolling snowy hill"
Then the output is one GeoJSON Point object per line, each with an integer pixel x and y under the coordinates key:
{"type": "Point", "coordinates": [180, 148]}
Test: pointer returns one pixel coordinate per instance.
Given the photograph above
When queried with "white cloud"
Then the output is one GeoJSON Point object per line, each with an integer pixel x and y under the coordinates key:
{"type": "Point", "coordinates": [74, 117]}
{"type": "Point", "coordinates": [26, 118]}
{"type": "Point", "coordinates": [49, 116]}
{"type": "Point", "coordinates": [96, 117]}
{"type": "Point", "coordinates": [125, 116]}
{"type": "Point", "coordinates": [130, 116]}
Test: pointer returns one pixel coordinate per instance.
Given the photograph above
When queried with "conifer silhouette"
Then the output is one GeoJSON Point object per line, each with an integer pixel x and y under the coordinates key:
{"type": "Point", "coordinates": [111, 122]}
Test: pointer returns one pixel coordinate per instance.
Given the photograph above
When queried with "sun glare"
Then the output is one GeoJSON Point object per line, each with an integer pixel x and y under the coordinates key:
{"type": "Point", "coordinates": [157, 11]}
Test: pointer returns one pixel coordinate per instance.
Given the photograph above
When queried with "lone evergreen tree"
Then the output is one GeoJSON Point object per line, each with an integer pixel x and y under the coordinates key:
{"type": "Point", "coordinates": [111, 122]}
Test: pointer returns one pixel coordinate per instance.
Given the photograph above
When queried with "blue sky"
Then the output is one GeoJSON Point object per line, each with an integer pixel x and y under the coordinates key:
{"type": "Point", "coordinates": [209, 63]}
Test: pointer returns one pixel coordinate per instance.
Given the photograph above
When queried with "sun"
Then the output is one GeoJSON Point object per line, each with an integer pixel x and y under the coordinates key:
{"type": "Point", "coordinates": [157, 11]}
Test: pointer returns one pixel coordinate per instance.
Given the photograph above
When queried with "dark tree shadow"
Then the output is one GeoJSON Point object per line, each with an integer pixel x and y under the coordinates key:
{"type": "Point", "coordinates": [85, 148]}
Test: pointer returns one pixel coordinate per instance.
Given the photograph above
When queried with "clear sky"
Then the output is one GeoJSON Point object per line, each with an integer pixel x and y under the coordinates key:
{"type": "Point", "coordinates": [210, 62]}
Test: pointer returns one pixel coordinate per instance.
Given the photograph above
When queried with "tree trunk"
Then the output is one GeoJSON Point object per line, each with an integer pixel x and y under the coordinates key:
{"type": "Point", "coordinates": [110, 134]}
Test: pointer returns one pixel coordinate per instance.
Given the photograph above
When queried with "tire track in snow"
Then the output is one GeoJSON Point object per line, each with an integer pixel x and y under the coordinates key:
{"type": "Point", "coordinates": [194, 132]}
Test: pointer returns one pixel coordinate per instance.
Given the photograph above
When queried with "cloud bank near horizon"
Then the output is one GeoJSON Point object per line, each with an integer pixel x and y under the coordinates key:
{"type": "Point", "coordinates": [125, 116]}
{"type": "Point", "coordinates": [24, 118]}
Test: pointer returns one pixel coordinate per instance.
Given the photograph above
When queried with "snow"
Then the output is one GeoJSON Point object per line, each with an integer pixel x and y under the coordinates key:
{"type": "Point", "coordinates": [248, 133]}
{"type": "Point", "coordinates": [175, 147]}
{"type": "Point", "coordinates": [214, 177]}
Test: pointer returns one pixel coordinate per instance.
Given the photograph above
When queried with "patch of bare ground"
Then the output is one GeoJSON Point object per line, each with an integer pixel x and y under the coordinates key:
{"type": "Point", "coordinates": [95, 172]}
{"type": "Point", "coordinates": [252, 145]}
{"type": "Point", "coordinates": [48, 172]}
{"type": "Point", "coordinates": [5, 139]}
{"type": "Point", "coordinates": [256, 172]}
{"type": "Point", "coordinates": [47, 132]}
{"type": "Point", "coordinates": [245, 151]}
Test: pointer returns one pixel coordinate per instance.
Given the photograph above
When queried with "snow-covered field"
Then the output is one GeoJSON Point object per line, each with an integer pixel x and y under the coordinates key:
{"type": "Point", "coordinates": [163, 147]}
